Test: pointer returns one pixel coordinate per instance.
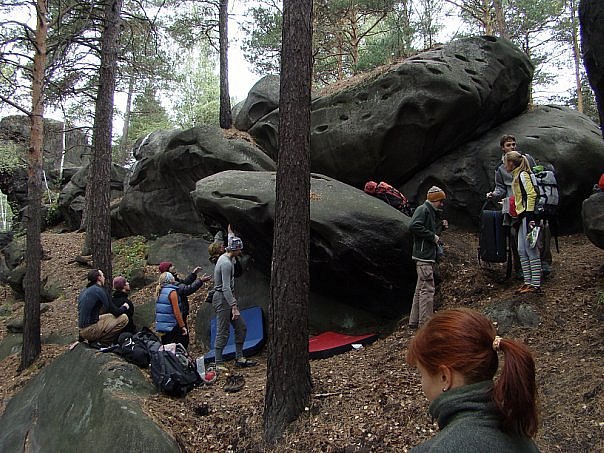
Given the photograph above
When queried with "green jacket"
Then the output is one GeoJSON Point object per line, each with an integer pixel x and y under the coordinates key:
{"type": "Point", "coordinates": [423, 228]}
{"type": "Point", "coordinates": [469, 422]}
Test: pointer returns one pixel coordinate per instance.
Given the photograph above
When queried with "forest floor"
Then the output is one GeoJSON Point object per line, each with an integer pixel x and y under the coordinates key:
{"type": "Point", "coordinates": [370, 399]}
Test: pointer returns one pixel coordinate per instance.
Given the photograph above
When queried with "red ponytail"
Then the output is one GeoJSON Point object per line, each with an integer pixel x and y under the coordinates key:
{"type": "Point", "coordinates": [462, 339]}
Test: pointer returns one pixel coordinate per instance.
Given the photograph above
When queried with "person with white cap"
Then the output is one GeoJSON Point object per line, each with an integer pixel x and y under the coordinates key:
{"type": "Point", "coordinates": [226, 307]}
{"type": "Point", "coordinates": [424, 227]}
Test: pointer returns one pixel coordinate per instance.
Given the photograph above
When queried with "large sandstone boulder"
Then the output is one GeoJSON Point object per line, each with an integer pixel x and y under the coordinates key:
{"type": "Point", "coordinates": [393, 125]}
{"type": "Point", "coordinates": [83, 401]}
{"type": "Point", "coordinates": [262, 99]}
{"type": "Point", "coordinates": [252, 287]}
{"type": "Point", "coordinates": [551, 134]}
{"type": "Point", "coordinates": [593, 219]}
{"type": "Point", "coordinates": [157, 200]}
{"type": "Point", "coordinates": [591, 17]}
{"type": "Point", "coordinates": [72, 198]}
{"type": "Point", "coordinates": [360, 251]}
{"type": "Point", "coordinates": [153, 143]}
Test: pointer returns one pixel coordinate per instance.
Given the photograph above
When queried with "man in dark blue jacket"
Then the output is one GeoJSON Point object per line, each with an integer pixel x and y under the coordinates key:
{"type": "Point", "coordinates": [96, 327]}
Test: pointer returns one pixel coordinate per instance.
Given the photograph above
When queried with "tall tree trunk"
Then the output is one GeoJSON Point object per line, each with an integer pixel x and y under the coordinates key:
{"type": "Point", "coordinates": [288, 381]}
{"type": "Point", "coordinates": [98, 188]}
{"type": "Point", "coordinates": [31, 329]}
{"type": "Point", "coordinates": [576, 53]}
{"type": "Point", "coordinates": [591, 15]}
{"type": "Point", "coordinates": [226, 118]}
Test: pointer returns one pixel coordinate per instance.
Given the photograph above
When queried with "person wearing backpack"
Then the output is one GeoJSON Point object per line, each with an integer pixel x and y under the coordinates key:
{"type": "Point", "coordinates": [503, 189]}
{"type": "Point", "coordinates": [525, 197]}
{"type": "Point", "coordinates": [226, 307]}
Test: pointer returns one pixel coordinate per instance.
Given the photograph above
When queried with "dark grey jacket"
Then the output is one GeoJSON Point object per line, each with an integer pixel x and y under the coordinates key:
{"type": "Point", "coordinates": [469, 422]}
{"type": "Point", "coordinates": [423, 228]}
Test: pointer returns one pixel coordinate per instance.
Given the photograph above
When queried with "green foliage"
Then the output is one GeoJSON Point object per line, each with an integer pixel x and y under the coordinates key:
{"type": "Point", "coordinates": [129, 254]}
{"type": "Point", "coordinates": [53, 215]}
{"type": "Point", "coordinates": [148, 115]}
{"type": "Point", "coordinates": [262, 44]}
{"type": "Point", "coordinates": [11, 157]}
{"type": "Point", "coordinates": [196, 96]}
{"type": "Point", "coordinates": [347, 37]}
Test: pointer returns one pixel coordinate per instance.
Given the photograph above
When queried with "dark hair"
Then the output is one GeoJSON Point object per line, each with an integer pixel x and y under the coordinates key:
{"type": "Point", "coordinates": [92, 276]}
{"type": "Point", "coordinates": [462, 339]}
{"type": "Point", "coordinates": [506, 138]}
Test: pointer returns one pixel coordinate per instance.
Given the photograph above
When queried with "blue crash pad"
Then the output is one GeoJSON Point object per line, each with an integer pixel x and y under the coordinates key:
{"type": "Point", "coordinates": [254, 339]}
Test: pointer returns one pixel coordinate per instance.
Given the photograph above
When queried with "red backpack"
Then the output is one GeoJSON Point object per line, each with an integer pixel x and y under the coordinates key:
{"type": "Point", "coordinates": [390, 195]}
{"type": "Point", "coordinates": [370, 187]}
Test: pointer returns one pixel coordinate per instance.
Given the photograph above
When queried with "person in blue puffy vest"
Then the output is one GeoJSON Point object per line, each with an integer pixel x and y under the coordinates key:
{"type": "Point", "coordinates": [170, 316]}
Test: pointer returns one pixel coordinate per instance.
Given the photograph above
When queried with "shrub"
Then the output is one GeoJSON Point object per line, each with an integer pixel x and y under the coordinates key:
{"type": "Point", "coordinates": [129, 254]}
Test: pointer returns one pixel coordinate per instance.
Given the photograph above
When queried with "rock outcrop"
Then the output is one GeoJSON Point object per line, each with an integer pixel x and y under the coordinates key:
{"type": "Point", "coordinates": [551, 134]}
{"type": "Point", "coordinates": [157, 200]}
{"type": "Point", "coordinates": [72, 198]}
{"type": "Point", "coordinates": [262, 99]}
{"type": "Point", "coordinates": [395, 124]}
{"type": "Point", "coordinates": [360, 250]}
{"type": "Point", "coordinates": [83, 401]}
{"type": "Point", "coordinates": [593, 219]}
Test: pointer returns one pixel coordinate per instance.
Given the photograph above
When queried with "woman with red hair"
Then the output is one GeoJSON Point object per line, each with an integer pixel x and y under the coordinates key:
{"type": "Point", "coordinates": [456, 354]}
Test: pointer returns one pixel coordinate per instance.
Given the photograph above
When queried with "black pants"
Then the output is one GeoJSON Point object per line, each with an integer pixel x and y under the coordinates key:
{"type": "Point", "coordinates": [176, 336]}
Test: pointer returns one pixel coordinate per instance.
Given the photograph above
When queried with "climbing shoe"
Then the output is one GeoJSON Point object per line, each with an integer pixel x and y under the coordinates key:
{"type": "Point", "coordinates": [244, 362]}
{"type": "Point", "coordinates": [234, 383]}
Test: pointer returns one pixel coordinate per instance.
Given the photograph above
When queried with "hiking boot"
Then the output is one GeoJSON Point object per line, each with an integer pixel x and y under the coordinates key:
{"type": "Point", "coordinates": [245, 363]}
{"type": "Point", "coordinates": [234, 383]}
{"type": "Point", "coordinates": [530, 289]}
{"type": "Point", "coordinates": [219, 368]}
{"type": "Point", "coordinates": [522, 289]}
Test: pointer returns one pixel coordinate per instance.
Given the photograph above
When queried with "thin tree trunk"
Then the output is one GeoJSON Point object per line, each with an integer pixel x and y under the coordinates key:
{"type": "Point", "coordinates": [226, 118]}
{"type": "Point", "coordinates": [500, 28]}
{"type": "Point", "coordinates": [126, 129]}
{"type": "Point", "coordinates": [288, 381]}
{"type": "Point", "coordinates": [31, 329]}
{"type": "Point", "coordinates": [98, 188]}
{"type": "Point", "coordinates": [486, 16]}
{"type": "Point", "coordinates": [576, 53]}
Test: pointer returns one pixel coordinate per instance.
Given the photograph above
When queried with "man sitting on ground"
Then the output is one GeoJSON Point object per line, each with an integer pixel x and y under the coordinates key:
{"type": "Point", "coordinates": [95, 327]}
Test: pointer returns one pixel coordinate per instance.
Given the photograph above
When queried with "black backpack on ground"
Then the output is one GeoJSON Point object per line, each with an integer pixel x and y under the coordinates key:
{"type": "Point", "coordinates": [493, 239]}
{"type": "Point", "coordinates": [135, 348]}
{"type": "Point", "coordinates": [174, 374]}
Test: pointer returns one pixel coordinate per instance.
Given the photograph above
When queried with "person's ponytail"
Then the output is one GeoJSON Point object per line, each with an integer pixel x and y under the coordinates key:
{"type": "Point", "coordinates": [515, 391]}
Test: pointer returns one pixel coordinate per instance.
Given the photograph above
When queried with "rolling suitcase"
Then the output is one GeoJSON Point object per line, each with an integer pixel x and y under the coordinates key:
{"type": "Point", "coordinates": [493, 238]}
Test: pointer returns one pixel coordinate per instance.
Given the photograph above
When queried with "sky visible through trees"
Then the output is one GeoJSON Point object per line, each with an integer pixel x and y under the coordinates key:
{"type": "Point", "coordinates": [242, 78]}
